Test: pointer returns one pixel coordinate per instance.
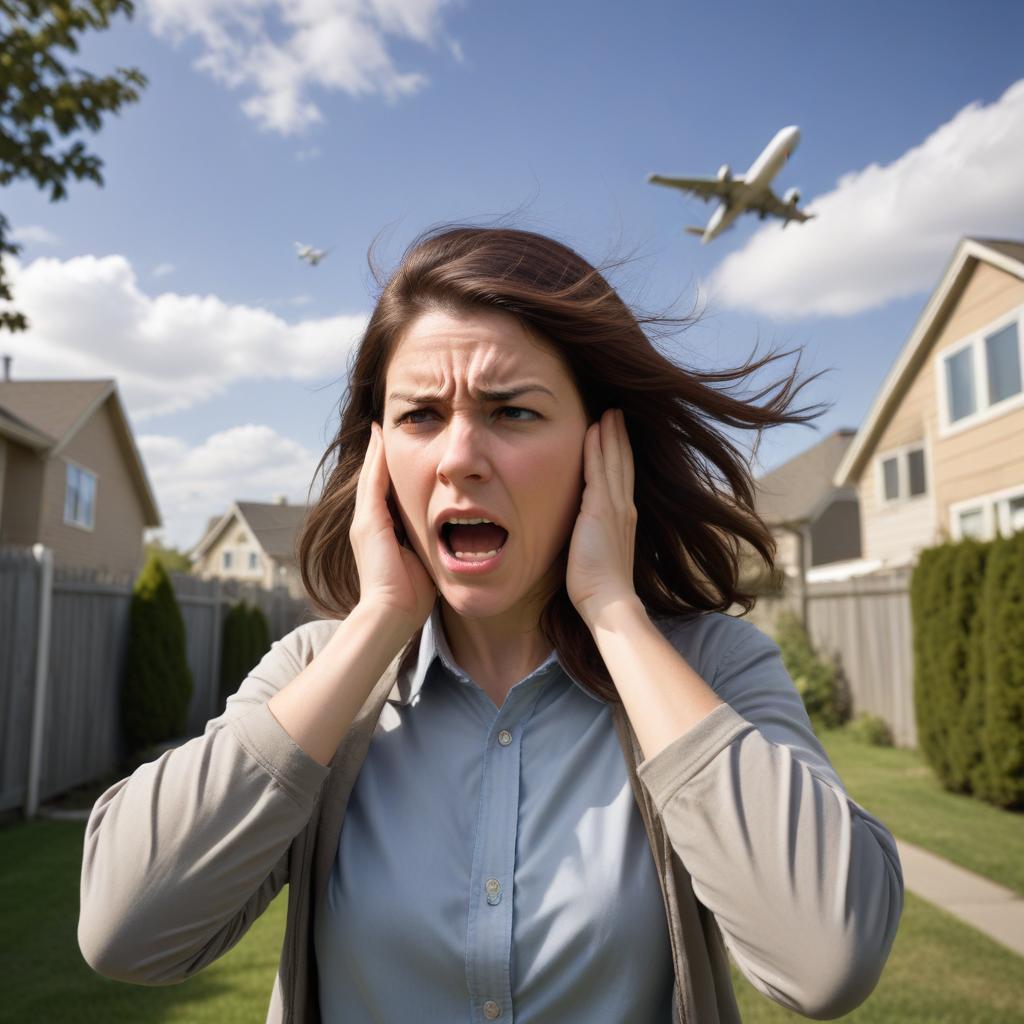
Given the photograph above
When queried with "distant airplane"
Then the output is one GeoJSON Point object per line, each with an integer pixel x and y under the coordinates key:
{"type": "Point", "coordinates": [750, 193]}
{"type": "Point", "coordinates": [309, 254]}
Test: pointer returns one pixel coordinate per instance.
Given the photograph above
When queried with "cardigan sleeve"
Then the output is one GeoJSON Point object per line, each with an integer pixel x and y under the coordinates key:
{"type": "Point", "coordinates": [185, 853]}
{"type": "Point", "coordinates": [805, 885]}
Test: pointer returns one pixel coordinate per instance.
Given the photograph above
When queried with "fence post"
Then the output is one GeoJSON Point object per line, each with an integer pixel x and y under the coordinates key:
{"type": "Point", "coordinates": [215, 652]}
{"type": "Point", "coordinates": [44, 556]}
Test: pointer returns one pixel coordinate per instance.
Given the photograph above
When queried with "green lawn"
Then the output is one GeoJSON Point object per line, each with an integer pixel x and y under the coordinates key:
{"type": "Point", "coordinates": [939, 971]}
{"type": "Point", "coordinates": [898, 787]}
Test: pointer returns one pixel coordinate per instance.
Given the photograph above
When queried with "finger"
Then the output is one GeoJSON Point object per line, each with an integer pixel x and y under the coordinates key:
{"type": "Point", "coordinates": [628, 467]}
{"type": "Point", "coordinates": [611, 456]}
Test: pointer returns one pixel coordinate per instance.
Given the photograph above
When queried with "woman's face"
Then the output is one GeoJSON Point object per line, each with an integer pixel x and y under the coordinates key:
{"type": "Point", "coordinates": [520, 458]}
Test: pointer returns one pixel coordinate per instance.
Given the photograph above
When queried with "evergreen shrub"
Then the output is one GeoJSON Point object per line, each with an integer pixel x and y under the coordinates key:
{"type": "Point", "coordinates": [244, 641]}
{"type": "Point", "coordinates": [816, 678]}
{"type": "Point", "coordinates": [157, 684]}
{"type": "Point", "coordinates": [870, 729]}
{"type": "Point", "coordinates": [1000, 779]}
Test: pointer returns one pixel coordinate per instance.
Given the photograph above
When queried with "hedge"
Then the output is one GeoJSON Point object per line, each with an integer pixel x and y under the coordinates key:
{"type": "Point", "coordinates": [244, 641]}
{"type": "Point", "coordinates": [967, 605]}
{"type": "Point", "coordinates": [157, 683]}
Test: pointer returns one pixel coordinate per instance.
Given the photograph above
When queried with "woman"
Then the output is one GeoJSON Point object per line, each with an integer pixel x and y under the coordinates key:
{"type": "Point", "coordinates": [568, 782]}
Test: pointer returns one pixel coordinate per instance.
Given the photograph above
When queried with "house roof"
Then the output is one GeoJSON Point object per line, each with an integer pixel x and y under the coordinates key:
{"type": "Point", "coordinates": [1005, 254]}
{"type": "Point", "coordinates": [274, 526]}
{"type": "Point", "coordinates": [798, 490]}
{"type": "Point", "coordinates": [17, 429]}
{"type": "Point", "coordinates": [58, 409]}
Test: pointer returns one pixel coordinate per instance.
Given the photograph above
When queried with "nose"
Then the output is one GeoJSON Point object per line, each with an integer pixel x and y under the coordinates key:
{"type": "Point", "coordinates": [464, 450]}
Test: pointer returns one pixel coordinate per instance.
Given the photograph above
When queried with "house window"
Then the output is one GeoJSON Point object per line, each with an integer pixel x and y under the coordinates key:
{"type": "Point", "coordinates": [971, 523]}
{"type": "Point", "coordinates": [79, 496]}
{"type": "Point", "coordinates": [226, 560]}
{"type": "Point", "coordinates": [903, 475]}
{"type": "Point", "coordinates": [1002, 358]}
{"type": "Point", "coordinates": [891, 473]}
{"type": "Point", "coordinates": [254, 560]}
{"type": "Point", "coordinates": [960, 384]}
{"type": "Point", "coordinates": [984, 373]}
{"type": "Point", "coordinates": [1010, 514]}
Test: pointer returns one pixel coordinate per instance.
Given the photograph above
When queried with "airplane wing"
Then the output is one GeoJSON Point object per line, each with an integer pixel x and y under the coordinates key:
{"type": "Point", "coordinates": [770, 204]}
{"type": "Point", "coordinates": [703, 188]}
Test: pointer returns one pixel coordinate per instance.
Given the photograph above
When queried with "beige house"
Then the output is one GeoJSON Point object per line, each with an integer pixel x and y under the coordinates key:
{"type": "Point", "coordinates": [253, 542]}
{"type": "Point", "coordinates": [814, 522]}
{"type": "Point", "coordinates": [71, 476]}
{"type": "Point", "coordinates": [941, 454]}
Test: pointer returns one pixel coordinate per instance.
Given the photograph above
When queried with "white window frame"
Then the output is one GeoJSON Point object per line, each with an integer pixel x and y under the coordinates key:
{"type": "Point", "coordinates": [90, 526]}
{"type": "Point", "coordinates": [902, 456]}
{"type": "Point", "coordinates": [996, 508]}
{"type": "Point", "coordinates": [226, 557]}
{"type": "Point", "coordinates": [254, 561]}
{"type": "Point", "coordinates": [984, 410]}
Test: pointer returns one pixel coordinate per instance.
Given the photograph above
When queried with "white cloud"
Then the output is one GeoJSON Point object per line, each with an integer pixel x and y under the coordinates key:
{"type": "Point", "coordinates": [34, 234]}
{"type": "Point", "coordinates": [331, 44]}
{"type": "Point", "coordinates": [168, 352]}
{"type": "Point", "coordinates": [163, 269]}
{"type": "Point", "coordinates": [249, 463]}
{"type": "Point", "coordinates": [887, 232]}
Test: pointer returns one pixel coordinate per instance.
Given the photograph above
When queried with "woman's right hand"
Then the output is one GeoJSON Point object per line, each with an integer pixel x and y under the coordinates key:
{"type": "Point", "coordinates": [391, 577]}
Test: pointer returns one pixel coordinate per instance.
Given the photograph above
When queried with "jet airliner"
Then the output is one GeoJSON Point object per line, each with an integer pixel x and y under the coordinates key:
{"type": "Point", "coordinates": [748, 193]}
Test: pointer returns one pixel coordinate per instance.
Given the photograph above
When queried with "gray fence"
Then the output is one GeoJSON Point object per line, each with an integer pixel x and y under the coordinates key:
{"type": "Point", "coordinates": [865, 624]}
{"type": "Point", "coordinates": [63, 644]}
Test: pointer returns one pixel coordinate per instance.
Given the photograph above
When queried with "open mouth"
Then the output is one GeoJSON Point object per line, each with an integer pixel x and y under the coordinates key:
{"type": "Point", "coordinates": [475, 543]}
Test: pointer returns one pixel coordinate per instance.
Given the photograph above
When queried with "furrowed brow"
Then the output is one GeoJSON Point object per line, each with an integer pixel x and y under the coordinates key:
{"type": "Point", "coordinates": [485, 395]}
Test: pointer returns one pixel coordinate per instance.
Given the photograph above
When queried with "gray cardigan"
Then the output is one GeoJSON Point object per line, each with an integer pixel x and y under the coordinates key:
{"type": "Point", "coordinates": [756, 844]}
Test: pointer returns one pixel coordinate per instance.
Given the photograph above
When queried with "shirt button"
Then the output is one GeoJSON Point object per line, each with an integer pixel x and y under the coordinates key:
{"type": "Point", "coordinates": [491, 1010]}
{"type": "Point", "coordinates": [493, 887]}
{"type": "Point", "coordinates": [504, 738]}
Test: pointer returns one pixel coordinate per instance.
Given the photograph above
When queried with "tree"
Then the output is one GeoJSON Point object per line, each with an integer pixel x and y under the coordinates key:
{"type": "Point", "coordinates": [158, 682]}
{"type": "Point", "coordinates": [171, 558]}
{"type": "Point", "coordinates": [39, 93]}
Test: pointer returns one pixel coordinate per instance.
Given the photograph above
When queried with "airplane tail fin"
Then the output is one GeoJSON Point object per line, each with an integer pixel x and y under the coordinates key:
{"type": "Point", "coordinates": [694, 231]}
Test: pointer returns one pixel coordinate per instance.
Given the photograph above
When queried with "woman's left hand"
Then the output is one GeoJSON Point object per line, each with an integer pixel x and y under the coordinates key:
{"type": "Point", "coordinates": [599, 572]}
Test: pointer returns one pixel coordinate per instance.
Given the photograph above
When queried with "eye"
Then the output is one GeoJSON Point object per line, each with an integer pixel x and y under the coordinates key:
{"type": "Point", "coordinates": [505, 408]}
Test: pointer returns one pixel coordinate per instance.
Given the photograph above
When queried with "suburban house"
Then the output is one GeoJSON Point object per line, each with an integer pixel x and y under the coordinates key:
{"type": "Point", "coordinates": [941, 453]}
{"type": "Point", "coordinates": [253, 542]}
{"type": "Point", "coordinates": [814, 522]}
{"type": "Point", "coordinates": [71, 476]}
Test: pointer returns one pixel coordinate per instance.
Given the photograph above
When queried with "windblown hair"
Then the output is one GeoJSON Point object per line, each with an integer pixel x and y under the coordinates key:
{"type": "Point", "coordinates": [694, 493]}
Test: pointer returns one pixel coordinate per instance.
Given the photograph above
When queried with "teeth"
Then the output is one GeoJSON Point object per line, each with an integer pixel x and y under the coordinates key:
{"type": "Point", "coordinates": [475, 556]}
{"type": "Point", "coordinates": [470, 522]}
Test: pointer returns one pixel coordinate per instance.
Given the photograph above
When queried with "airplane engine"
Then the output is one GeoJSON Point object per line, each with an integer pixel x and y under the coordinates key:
{"type": "Point", "coordinates": [725, 173]}
{"type": "Point", "coordinates": [792, 197]}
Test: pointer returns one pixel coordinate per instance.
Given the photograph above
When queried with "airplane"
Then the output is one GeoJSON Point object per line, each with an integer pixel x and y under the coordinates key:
{"type": "Point", "coordinates": [749, 193]}
{"type": "Point", "coordinates": [309, 254]}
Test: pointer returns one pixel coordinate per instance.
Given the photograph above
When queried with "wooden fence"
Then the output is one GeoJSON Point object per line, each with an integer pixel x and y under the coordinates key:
{"type": "Point", "coordinates": [864, 623]}
{"type": "Point", "coordinates": [63, 645]}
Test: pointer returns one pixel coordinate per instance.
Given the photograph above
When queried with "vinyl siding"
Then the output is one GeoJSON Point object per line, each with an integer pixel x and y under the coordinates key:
{"type": "Point", "coordinates": [980, 459]}
{"type": "Point", "coordinates": [115, 541]}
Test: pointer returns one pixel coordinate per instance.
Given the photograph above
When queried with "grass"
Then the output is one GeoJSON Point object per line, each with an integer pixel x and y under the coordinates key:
{"type": "Point", "coordinates": [939, 971]}
{"type": "Point", "coordinates": [898, 787]}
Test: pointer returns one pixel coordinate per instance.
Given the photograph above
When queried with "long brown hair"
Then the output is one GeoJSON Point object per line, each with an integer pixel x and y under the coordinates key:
{"type": "Point", "coordinates": [694, 491]}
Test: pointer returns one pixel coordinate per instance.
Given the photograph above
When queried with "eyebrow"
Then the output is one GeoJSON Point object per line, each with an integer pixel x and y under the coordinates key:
{"type": "Point", "coordinates": [502, 395]}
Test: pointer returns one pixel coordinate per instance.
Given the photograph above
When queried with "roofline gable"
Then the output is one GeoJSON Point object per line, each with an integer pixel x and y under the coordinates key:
{"type": "Point", "coordinates": [969, 252]}
{"type": "Point", "coordinates": [234, 512]}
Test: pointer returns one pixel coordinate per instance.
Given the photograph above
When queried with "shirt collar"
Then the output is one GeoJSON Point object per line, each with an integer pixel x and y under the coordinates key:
{"type": "Point", "coordinates": [432, 643]}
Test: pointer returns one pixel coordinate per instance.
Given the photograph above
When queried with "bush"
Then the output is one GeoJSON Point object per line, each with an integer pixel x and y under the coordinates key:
{"type": "Point", "coordinates": [157, 684]}
{"type": "Point", "coordinates": [870, 729]}
{"type": "Point", "coordinates": [245, 639]}
{"type": "Point", "coordinates": [1000, 778]}
{"type": "Point", "coordinates": [816, 679]}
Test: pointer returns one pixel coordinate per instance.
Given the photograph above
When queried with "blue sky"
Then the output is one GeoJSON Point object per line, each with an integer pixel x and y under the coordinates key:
{"type": "Point", "coordinates": [338, 121]}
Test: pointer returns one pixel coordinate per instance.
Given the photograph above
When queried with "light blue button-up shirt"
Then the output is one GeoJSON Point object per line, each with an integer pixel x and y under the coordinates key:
{"type": "Point", "coordinates": [493, 864]}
